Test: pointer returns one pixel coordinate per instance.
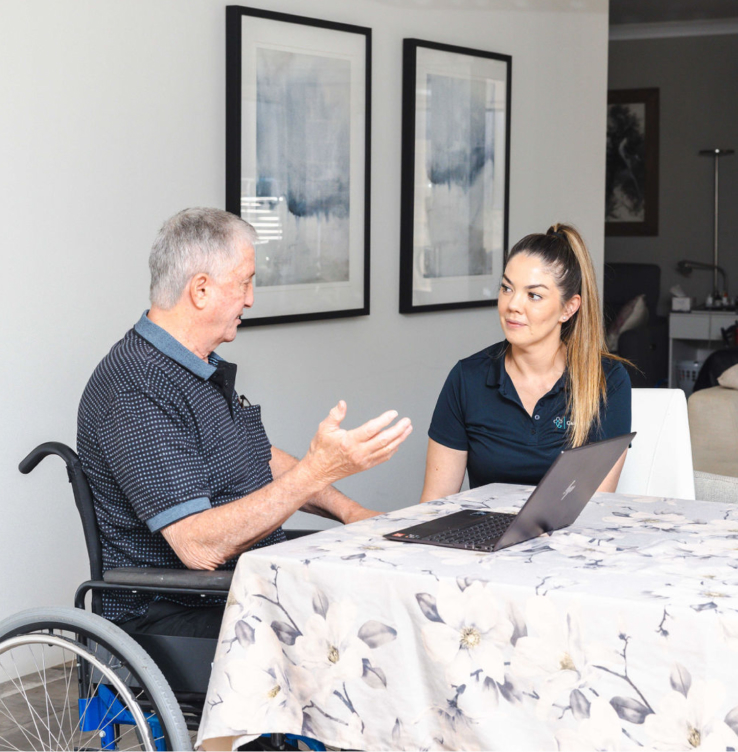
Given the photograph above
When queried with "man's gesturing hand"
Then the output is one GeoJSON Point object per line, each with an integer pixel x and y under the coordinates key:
{"type": "Point", "coordinates": [336, 453]}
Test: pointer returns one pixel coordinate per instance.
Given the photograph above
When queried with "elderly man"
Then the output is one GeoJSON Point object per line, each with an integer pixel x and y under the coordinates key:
{"type": "Point", "coordinates": [181, 469]}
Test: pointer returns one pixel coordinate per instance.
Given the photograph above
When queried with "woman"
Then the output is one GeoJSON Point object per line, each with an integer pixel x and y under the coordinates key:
{"type": "Point", "coordinates": [505, 413]}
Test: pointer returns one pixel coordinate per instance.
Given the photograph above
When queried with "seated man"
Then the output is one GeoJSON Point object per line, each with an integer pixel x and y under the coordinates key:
{"type": "Point", "coordinates": [181, 469]}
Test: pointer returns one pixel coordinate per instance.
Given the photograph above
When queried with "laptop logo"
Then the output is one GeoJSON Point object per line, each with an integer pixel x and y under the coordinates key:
{"type": "Point", "coordinates": [569, 489]}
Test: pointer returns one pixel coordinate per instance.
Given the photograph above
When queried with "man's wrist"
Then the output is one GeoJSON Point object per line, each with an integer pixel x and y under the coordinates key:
{"type": "Point", "coordinates": [352, 512]}
{"type": "Point", "coordinates": [308, 478]}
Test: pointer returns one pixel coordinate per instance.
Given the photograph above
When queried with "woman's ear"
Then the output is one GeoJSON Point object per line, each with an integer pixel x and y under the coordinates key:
{"type": "Point", "coordinates": [571, 307]}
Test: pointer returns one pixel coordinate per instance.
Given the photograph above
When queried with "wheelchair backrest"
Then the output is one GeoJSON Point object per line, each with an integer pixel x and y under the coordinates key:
{"type": "Point", "coordinates": [82, 496]}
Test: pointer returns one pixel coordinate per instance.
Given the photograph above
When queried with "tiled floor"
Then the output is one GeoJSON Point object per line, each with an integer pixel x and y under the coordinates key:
{"type": "Point", "coordinates": [18, 728]}
{"type": "Point", "coordinates": [30, 735]}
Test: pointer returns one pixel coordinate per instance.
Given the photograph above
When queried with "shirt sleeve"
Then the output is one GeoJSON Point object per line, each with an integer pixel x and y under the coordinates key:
{"type": "Point", "coordinates": [151, 446]}
{"type": "Point", "coordinates": [615, 419]}
{"type": "Point", "coordinates": [447, 425]}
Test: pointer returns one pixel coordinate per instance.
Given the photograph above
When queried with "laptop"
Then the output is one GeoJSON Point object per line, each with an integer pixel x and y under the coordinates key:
{"type": "Point", "coordinates": [556, 502]}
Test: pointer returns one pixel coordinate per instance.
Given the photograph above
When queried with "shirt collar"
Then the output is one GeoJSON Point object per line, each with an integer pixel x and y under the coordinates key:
{"type": "Point", "coordinates": [496, 373]}
{"type": "Point", "coordinates": [172, 348]}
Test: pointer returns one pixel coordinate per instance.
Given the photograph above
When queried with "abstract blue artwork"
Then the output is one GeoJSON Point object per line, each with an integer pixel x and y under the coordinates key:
{"type": "Point", "coordinates": [460, 147]}
{"type": "Point", "coordinates": [303, 166]}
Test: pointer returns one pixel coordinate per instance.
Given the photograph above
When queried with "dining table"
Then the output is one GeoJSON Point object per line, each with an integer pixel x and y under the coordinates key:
{"type": "Point", "coordinates": [618, 632]}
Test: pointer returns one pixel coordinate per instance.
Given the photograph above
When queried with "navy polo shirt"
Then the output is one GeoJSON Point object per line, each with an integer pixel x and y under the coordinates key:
{"type": "Point", "coordinates": [479, 412]}
{"type": "Point", "coordinates": [162, 436]}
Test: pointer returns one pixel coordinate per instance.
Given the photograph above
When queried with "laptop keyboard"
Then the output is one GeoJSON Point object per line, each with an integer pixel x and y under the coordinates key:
{"type": "Point", "coordinates": [481, 536]}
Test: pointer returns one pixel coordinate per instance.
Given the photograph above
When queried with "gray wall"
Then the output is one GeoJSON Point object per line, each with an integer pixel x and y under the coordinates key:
{"type": "Point", "coordinates": [698, 82]}
{"type": "Point", "coordinates": [112, 118]}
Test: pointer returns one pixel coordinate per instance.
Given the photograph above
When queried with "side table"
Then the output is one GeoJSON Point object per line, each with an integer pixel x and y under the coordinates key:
{"type": "Point", "coordinates": [694, 335]}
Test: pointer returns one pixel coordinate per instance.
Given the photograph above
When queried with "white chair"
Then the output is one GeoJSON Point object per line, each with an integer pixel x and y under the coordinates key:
{"type": "Point", "coordinates": [659, 463]}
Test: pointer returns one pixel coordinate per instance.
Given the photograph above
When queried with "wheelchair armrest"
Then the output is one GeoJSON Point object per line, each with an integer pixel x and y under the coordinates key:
{"type": "Point", "coordinates": [188, 579]}
{"type": "Point", "coordinates": [291, 533]}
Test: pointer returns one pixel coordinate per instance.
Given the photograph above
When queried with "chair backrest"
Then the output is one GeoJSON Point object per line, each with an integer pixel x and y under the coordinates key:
{"type": "Point", "coordinates": [660, 461]}
{"type": "Point", "coordinates": [624, 281]}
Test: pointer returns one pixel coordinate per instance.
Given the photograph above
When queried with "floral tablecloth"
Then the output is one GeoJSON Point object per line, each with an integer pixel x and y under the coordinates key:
{"type": "Point", "coordinates": [620, 632]}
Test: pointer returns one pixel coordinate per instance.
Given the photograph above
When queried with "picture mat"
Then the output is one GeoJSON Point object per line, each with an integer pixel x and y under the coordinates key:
{"type": "Point", "coordinates": [268, 34]}
{"type": "Point", "coordinates": [492, 75]}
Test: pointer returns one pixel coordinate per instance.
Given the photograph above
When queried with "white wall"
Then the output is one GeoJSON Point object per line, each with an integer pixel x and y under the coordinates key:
{"type": "Point", "coordinates": [112, 119]}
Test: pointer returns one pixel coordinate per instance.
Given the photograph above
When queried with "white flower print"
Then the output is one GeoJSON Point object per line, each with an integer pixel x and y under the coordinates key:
{"type": "Point", "coordinates": [723, 528]}
{"type": "Point", "coordinates": [471, 635]}
{"type": "Point", "coordinates": [697, 584]}
{"type": "Point", "coordinates": [262, 689]}
{"type": "Point", "coordinates": [456, 557]}
{"type": "Point", "coordinates": [376, 549]}
{"type": "Point", "coordinates": [551, 658]}
{"type": "Point", "coordinates": [653, 520]}
{"type": "Point", "coordinates": [691, 722]}
{"type": "Point", "coordinates": [601, 732]}
{"type": "Point", "coordinates": [585, 547]}
{"type": "Point", "coordinates": [728, 624]}
{"type": "Point", "coordinates": [330, 647]}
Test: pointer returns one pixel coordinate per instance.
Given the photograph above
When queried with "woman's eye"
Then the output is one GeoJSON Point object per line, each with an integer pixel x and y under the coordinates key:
{"type": "Point", "coordinates": [504, 288]}
{"type": "Point", "coordinates": [534, 296]}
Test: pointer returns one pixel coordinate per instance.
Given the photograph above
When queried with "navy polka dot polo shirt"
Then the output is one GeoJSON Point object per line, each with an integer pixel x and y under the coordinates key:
{"type": "Point", "coordinates": [158, 442]}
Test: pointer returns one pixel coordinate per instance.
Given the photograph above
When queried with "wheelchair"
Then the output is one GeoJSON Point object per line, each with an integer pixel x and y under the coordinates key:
{"type": "Point", "coordinates": [72, 680]}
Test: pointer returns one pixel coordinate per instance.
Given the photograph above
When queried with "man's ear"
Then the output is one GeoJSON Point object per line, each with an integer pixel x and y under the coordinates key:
{"type": "Point", "coordinates": [200, 290]}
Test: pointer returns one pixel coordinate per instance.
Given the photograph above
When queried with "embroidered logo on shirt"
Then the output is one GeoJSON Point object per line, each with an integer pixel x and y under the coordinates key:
{"type": "Point", "coordinates": [561, 422]}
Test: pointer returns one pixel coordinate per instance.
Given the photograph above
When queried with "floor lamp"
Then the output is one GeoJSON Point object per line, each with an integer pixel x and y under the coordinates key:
{"type": "Point", "coordinates": [716, 154]}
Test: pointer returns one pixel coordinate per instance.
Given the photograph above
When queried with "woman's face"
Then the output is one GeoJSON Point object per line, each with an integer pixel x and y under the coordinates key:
{"type": "Point", "coordinates": [530, 305]}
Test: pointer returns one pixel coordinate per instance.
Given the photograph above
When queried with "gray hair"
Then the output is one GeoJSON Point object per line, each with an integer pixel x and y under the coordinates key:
{"type": "Point", "coordinates": [191, 242]}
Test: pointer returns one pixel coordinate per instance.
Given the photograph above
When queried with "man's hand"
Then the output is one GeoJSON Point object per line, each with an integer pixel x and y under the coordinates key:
{"type": "Point", "coordinates": [336, 453]}
{"type": "Point", "coordinates": [208, 539]}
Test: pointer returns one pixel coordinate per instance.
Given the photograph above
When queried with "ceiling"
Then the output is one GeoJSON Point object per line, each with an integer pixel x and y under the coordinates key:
{"type": "Point", "coordinates": [659, 11]}
{"type": "Point", "coordinates": [622, 12]}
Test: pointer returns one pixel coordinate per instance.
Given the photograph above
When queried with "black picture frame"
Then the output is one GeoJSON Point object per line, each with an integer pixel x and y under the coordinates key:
{"type": "Point", "coordinates": [298, 156]}
{"type": "Point", "coordinates": [632, 174]}
{"type": "Point", "coordinates": [450, 256]}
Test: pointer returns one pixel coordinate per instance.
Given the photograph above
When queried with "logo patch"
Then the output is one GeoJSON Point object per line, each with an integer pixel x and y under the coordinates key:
{"type": "Point", "coordinates": [561, 422]}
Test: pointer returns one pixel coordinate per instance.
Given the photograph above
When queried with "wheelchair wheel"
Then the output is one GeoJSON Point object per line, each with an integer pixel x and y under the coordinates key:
{"type": "Point", "coordinates": [71, 680]}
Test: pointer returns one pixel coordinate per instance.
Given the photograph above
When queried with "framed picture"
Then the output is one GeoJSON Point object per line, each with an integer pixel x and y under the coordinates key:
{"type": "Point", "coordinates": [297, 160]}
{"type": "Point", "coordinates": [455, 176]}
{"type": "Point", "coordinates": [632, 180]}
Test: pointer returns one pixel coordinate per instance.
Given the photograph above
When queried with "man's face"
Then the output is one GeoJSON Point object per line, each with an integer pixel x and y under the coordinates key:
{"type": "Point", "coordinates": [233, 292]}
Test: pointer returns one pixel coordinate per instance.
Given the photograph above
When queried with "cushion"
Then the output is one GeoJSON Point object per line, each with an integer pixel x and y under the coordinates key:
{"type": "Point", "coordinates": [632, 315]}
{"type": "Point", "coordinates": [729, 378]}
{"type": "Point", "coordinates": [711, 487]}
{"type": "Point", "coordinates": [713, 427]}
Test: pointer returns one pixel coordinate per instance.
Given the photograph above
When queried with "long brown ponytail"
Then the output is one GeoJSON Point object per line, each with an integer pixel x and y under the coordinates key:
{"type": "Point", "coordinates": [566, 256]}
